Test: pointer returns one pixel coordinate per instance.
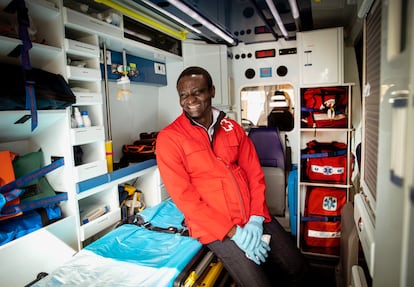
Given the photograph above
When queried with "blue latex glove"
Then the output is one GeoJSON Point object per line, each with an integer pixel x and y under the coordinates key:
{"type": "Point", "coordinates": [253, 232]}
{"type": "Point", "coordinates": [260, 252]}
{"type": "Point", "coordinates": [240, 238]}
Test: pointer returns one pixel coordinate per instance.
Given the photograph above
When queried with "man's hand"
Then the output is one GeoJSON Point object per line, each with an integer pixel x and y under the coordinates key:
{"type": "Point", "coordinates": [253, 232]}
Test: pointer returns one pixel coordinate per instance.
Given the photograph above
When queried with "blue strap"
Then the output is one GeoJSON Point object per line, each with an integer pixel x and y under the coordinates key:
{"type": "Point", "coordinates": [31, 102]}
{"type": "Point", "coordinates": [13, 194]}
{"type": "Point", "coordinates": [34, 204]}
{"type": "Point", "coordinates": [324, 154]}
{"type": "Point", "coordinates": [320, 218]}
{"type": "Point", "coordinates": [19, 6]}
{"type": "Point", "coordinates": [24, 180]}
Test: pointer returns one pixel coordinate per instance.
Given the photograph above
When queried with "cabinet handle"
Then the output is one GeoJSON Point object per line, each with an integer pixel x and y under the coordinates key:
{"type": "Point", "coordinates": [84, 47]}
{"type": "Point", "coordinates": [399, 103]}
{"type": "Point", "coordinates": [91, 167]}
{"type": "Point", "coordinates": [96, 22]}
{"type": "Point", "coordinates": [103, 219]}
{"type": "Point", "coordinates": [308, 58]}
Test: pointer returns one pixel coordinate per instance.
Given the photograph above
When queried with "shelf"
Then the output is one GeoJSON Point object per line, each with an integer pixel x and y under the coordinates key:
{"type": "Point", "coordinates": [326, 129]}
{"type": "Point", "coordinates": [91, 228]}
{"type": "Point", "coordinates": [113, 37]}
{"type": "Point", "coordinates": [87, 135]}
{"type": "Point", "coordinates": [86, 98]}
{"type": "Point", "coordinates": [90, 170]}
{"type": "Point", "coordinates": [83, 74]}
{"type": "Point", "coordinates": [325, 184]}
{"type": "Point", "coordinates": [9, 131]}
{"type": "Point", "coordinates": [43, 9]}
{"type": "Point", "coordinates": [78, 48]}
{"type": "Point", "coordinates": [54, 247]}
{"type": "Point", "coordinates": [93, 185]}
{"type": "Point", "coordinates": [39, 53]}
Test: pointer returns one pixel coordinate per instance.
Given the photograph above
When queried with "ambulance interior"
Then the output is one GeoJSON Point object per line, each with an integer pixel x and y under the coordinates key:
{"type": "Point", "coordinates": [121, 59]}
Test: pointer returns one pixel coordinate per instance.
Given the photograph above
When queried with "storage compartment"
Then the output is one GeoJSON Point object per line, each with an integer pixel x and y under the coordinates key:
{"type": "Point", "coordinates": [79, 48]}
{"type": "Point", "coordinates": [321, 64]}
{"type": "Point", "coordinates": [94, 114]}
{"type": "Point", "coordinates": [49, 242]}
{"type": "Point", "coordinates": [89, 170]}
{"type": "Point", "coordinates": [86, 93]}
{"type": "Point", "coordinates": [83, 74]}
{"type": "Point", "coordinates": [79, 43]}
{"type": "Point", "coordinates": [87, 135]}
{"type": "Point", "coordinates": [81, 21]}
{"type": "Point", "coordinates": [98, 211]}
{"type": "Point", "coordinates": [89, 161]}
{"type": "Point", "coordinates": [100, 224]}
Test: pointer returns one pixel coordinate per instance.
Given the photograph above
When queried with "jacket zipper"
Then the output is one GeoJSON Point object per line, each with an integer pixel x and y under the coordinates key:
{"type": "Point", "coordinates": [228, 170]}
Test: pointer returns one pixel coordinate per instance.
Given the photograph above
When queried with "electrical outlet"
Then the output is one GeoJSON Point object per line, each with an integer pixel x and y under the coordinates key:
{"type": "Point", "coordinates": [159, 68]}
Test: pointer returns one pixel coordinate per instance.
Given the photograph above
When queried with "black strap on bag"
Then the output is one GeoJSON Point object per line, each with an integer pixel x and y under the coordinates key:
{"type": "Point", "coordinates": [138, 220]}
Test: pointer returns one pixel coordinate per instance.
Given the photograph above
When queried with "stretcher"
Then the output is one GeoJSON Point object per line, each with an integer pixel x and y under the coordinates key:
{"type": "Point", "coordinates": [132, 255]}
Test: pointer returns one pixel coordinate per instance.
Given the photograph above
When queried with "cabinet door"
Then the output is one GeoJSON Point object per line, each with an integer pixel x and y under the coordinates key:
{"type": "Point", "coordinates": [213, 58]}
{"type": "Point", "coordinates": [320, 56]}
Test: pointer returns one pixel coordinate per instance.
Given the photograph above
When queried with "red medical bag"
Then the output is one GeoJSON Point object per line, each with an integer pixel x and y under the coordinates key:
{"type": "Point", "coordinates": [325, 161]}
{"type": "Point", "coordinates": [324, 107]}
{"type": "Point", "coordinates": [322, 220]}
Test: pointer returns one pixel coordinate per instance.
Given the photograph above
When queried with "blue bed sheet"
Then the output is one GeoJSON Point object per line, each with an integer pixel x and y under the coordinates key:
{"type": "Point", "coordinates": [129, 243]}
{"type": "Point", "coordinates": [131, 255]}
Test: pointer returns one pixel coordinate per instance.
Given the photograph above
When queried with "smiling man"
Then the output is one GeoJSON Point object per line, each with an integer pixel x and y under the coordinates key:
{"type": "Point", "coordinates": [211, 171]}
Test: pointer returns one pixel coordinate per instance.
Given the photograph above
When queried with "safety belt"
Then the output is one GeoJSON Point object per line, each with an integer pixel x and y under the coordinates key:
{"type": "Point", "coordinates": [19, 6]}
{"type": "Point", "coordinates": [138, 220]}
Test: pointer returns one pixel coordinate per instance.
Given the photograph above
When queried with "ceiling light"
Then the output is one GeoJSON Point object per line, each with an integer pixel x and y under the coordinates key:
{"type": "Point", "coordinates": [276, 15]}
{"type": "Point", "coordinates": [193, 14]}
{"type": "Point", "coordinates": [294, 8]}
{"type": "Point", "coordinates": [181, 35]}
{"type": "Point", "coordinates": [175, 18]}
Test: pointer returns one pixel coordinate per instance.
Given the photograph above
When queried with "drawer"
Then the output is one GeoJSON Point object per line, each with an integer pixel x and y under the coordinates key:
{"type": "Point", "coordinates": [99, 224]}
{"type": "Point", "coordinates": [87, 135]}
{"type": "Point", "coordinates": [82, 49]}
{"type": "Point", "coordinates": [88, 98]}
{"type": "Point", "coordinates": [86, 23]}
{"type": "Point", "coordinates": [83, 74]}
{"type": "Point", "coordinates": [89, 170]}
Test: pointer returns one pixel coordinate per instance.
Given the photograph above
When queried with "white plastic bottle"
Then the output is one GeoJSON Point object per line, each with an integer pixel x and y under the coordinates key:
{"type": "Point", "coordinates": [86, 119]}
{"type": "Point", "coordinates": [78, 118]}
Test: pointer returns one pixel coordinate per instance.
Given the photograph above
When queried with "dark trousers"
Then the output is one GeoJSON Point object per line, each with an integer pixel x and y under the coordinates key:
{"type": "Point", "coordinates": [285, 265]}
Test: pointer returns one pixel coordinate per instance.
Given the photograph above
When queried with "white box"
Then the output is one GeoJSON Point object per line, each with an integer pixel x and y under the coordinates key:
{"type": "Point", "coordinates": [86, 135]}
{"type": "Point", "coordinates": [84, 22]}
{"type": "Point", "coordinates": [88, 98]}
{"type": "Point", "coordinates": [91, 228]}
{"type": "Point", "coordinates": [83, 74]}
{"type": "Point", "coordinates": [89, 170]}
{"type": "Point", "coordinates": [82, 49]}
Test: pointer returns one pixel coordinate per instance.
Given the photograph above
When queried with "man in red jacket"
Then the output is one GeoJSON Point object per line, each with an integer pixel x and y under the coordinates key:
{"type": "Point", "coordinates": [211, 171]}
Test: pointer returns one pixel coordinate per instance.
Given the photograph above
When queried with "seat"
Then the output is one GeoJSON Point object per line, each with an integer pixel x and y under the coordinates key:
{"type": "Point", "coordinates": [280, 116]}
{"type": "Point", "coordinates": [271, 154]}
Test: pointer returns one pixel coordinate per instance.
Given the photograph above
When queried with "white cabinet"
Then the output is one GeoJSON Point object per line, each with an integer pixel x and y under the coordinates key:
{"type": "Point", "coordinates": [213, 58]}
{"type": "Point", "coordinates": [84, 77]}
{"type": "Point", "coordinates": [25, 256]}
{"type": "Point", "coordinates": [321, 56]}
{"type": "Point", "coordinates": [65, 47]}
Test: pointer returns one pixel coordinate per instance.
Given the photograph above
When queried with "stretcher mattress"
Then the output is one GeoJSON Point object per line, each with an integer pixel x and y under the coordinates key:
{"type": "Point", "coordinates": [131, 255]}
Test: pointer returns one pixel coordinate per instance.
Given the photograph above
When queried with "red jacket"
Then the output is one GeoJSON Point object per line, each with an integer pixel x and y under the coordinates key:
{"type": "Point", "coordinates": [216, 185]}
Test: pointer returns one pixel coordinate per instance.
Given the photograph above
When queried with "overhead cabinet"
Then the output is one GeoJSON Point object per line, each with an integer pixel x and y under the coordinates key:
{"type": "Point", "coordinates": [320, 56]}
{"type": "Point", "coordinates": [213, 58]}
